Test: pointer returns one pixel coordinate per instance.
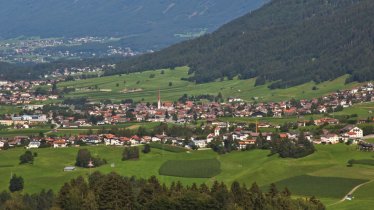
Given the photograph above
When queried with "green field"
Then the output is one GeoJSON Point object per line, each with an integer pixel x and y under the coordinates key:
{"type": "Point", "coordinates": [363, 110]}
{"type": "Point", "coordinates": [313, 185]}
{"type": "Point", "coordinates": [113, 87]}
{"type": "Point", "coordinates": [205, 168]}
{"type": "Point", "coordinates": [8, 109]}
{"type": "Point", "coordinates": [314, 172]}
{"type": "Point", "coordinates": [168, 148]}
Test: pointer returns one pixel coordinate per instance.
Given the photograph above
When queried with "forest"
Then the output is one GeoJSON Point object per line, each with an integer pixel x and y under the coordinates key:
{"type": "Point", "coordinates": [112, 191]}
{"type": "Point", "coordinates": [285, 42]}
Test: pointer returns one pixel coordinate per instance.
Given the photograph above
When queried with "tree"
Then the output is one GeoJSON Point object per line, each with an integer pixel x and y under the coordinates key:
{"type": "Point", "coordinates": [16, 183]}
{"type": "Point", "coordinates": [83, 158]}
{"type": "Point", "coordinates": [146, 149]}
{"type": "Point", "coordinates": [115, 193]}
{"type": "Point", "coordinates": [26, 158]}
{"type": "Point", "coordinates": [130, 153]}
{"type": "Point", "coordinates": [6, 146]}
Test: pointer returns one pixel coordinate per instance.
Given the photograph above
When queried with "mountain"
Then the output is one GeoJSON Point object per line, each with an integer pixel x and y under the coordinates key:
{"type": "Point", "coordinates": [148, 23]}
{"type": "Point", "coordinates": [286, 42]}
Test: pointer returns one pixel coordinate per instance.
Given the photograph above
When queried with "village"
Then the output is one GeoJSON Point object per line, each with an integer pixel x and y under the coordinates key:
{"type": "Point", "coordinates": [74, 114]}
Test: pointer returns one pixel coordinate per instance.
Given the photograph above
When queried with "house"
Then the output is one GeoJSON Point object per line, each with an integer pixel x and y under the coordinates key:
{"type": "Point", "coordinates": [199, 143]}
{"type": "Point", "coordinates": [243, 144]}
{"type": "Point", "coordinates": [329, 121]}
{"type": "Point", "coordinates": [217, 131]}
{"type": "Point", "coordinates": [135, 140]}
{"type": "Point", "coordinates": [33, 145]}
{"type": "Point", "coordinates": [330, 139]}
{"type": "Point", "coordinates": [355, 133]}
{"type": "Point", "coordinates": [2, 144]}
{"type": "Point", "coordinates": [59, 144]}
{"type": "Point", "coordinates": [156, 139]}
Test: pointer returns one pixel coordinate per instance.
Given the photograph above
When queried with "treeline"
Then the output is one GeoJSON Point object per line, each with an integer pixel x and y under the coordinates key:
{"type": "Point", "coordinates": [284, 147]}
{"type": "Point", "coordinates": [287, 42]}
{"type": "Point", "coordinates": [113, 191]}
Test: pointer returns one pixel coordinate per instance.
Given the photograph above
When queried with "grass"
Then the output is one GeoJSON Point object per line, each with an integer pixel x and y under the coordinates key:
{"type": "Point", "coordinates": [168, 148]}
{"type": "Point", "coordinates": [113, 87]}
{"type": "Point", "coordinates": [363, 110]}
{"type": "Point", "coordinates": [9, 109]}
{"type": "Point", "coordinates": [205, 168]}
{"type": "Point", "coordinates": [315, 185]}
{"type": "Point", "coordinates": [245, 167]}
{"type": "Point", "coordinates": [369, 162]}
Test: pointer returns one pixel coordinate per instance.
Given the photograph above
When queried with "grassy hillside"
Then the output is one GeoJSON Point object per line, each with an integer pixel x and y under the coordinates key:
{"type": "Point", "coordinates": [147, 87]}
{"type": "Point", "coordinates": [319, 169]}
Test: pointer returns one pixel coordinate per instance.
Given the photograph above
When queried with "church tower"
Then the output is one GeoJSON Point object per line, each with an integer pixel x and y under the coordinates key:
{"type": "Point", "coordinates": [159, 100]}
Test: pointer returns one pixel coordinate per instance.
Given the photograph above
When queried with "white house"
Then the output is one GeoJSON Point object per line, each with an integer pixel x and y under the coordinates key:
{"type": "Point", "coordinates": [33, 145]}
{"type": "Point", "coordinates": [217, 131]}
{"type": "Point", "coordinates": [1, 144]}
{"type": "Point", "coordinates": [200, 143]}
{"type": "Point", "coordinates": [59, 144]}
{"type": "Point", "coordinates": [156, 139]}
{"type": "Point", "coordinates": [330, 139]}
{"type": "Point", "coordinates": [355, 133]}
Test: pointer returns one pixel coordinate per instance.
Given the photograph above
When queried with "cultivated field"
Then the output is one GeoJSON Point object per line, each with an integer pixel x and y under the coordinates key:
{"type": "Point", "coordinates": [323, 174]}
{"type": "Point", "coordinates": [145, 86]}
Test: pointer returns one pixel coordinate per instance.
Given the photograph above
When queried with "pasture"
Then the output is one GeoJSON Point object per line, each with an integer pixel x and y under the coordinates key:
{"type": "Point", "coordinates": [144, 86]}
{"type": "Point", "coordinates": [313, 173]}
{"type": "Point", "coordinates": [204, 168]}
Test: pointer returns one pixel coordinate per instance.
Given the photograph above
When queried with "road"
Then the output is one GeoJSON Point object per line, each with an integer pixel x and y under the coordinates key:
{"type": "Point", "coordinates": [351, 192]}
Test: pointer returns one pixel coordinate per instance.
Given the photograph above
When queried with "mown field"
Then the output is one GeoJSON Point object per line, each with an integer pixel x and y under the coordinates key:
{"type": "Point", "coordinates": [323, 174]}
{"type": "Point", "coordinates": [204, 168]}
{"type": "Point", "coordinates": [148, 83]}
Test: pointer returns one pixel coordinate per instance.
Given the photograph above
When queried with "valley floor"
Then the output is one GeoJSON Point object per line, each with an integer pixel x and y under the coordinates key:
{"type": "Point", "coordinates": [323, 174]}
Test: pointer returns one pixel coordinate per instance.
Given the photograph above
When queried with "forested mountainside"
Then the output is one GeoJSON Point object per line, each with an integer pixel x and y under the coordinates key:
{"type": "Point", "coordinates": [289, 42]}
{"type": "Point", "coordinates": [142, 23]}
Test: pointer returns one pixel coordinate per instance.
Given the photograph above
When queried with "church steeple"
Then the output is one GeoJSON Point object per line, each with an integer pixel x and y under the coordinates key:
{"type": "Point", "coordinates": [159, 100]}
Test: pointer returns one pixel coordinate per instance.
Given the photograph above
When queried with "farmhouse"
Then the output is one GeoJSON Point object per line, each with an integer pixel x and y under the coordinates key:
{"type": "Point", "coordinates": [59, 144]}
{"type": "Point", "coordinates": [355, 133]}
{"type": "Point", "coordinates": [330, 139]}
{"type": "Point", "coordinates": [199, 143]}
{"type": "Point", "coordinates": [33, 145]}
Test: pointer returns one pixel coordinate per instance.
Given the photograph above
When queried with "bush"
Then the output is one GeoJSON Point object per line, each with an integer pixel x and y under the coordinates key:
{"type": "Point", "coordinates": [146, 149]}
{"type": "Point", "coordinates": [130, 153]}
{"type": "Point", "coordinates": [26, 158]}
{"type": "Point", "coordinates": [16, 183]}
{"type": "Point", "coordinates": [84, 157]}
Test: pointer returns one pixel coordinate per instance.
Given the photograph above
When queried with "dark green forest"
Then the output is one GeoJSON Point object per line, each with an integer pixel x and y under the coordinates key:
{"type": "Point", "coordinates": [113, 191]}
{"type": "Point", "coordinates": [286, 42]}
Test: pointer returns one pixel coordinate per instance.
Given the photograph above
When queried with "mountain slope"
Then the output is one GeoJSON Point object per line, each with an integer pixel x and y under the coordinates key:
{"type": "Point", "coordinates": [155, 22]}
{"type": "Point", "coordinates": [288, 41]}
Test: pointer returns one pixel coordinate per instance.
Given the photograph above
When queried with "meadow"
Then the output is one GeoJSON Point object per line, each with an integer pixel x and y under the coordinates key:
{"type": "Point", "coordinates": [144, 86]}
{"type": "Point", "coordinates": [323, 174]}
{"type": "Point", "coordinates": [204, 168]}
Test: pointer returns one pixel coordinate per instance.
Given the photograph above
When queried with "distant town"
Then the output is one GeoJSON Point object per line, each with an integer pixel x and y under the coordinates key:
{"type": "Point", "coordinates": [40, 50]}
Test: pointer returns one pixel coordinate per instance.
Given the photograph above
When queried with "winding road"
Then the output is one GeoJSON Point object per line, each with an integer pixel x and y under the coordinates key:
{"type": "Point", "coordinates": [351, 192]}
